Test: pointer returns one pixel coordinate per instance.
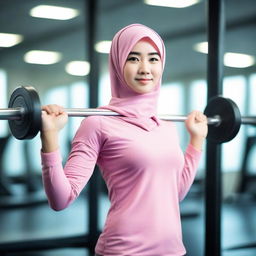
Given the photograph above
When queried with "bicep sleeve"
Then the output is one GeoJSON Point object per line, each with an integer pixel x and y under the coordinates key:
{"type": "Point", "coordinates": [63, 185]}
{"type": "Point", "coordinates": [192, 158]}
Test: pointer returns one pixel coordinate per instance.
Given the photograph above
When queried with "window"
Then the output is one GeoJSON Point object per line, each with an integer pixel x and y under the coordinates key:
{"type": "Point", "coordinates": [197, 101]}
{"type": "Point", "coordinates": [78, 98]}
{"type": "Point", "coordinates": [3, 101]}
{"type": "Point", "coordinates": [251, 130]}
{"type": "Point", "coordinates": [198, 95]}
{"type": "Point", "coordinates": [171, 101]}
{"type": "Point", "coordinates": [104, 90]}
{"type": "Point", "coordinates": [14, 146]}
{"type": "Point", "coordinates": [234, 88]}
{"type": "Point", "coordinates": [252, 93]}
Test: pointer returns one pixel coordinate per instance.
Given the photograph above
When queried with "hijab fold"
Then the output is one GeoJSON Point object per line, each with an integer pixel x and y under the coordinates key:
{"type": "Point", "coordinates": [135, 108]}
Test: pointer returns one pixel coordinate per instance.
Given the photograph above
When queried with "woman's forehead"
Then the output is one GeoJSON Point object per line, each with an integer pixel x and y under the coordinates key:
{"type": "Point", "coordinates": [145, 44]}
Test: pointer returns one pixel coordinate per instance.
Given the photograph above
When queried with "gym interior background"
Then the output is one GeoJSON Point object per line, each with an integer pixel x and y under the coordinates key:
{"type": "Point", "coordinates": [24, 213]}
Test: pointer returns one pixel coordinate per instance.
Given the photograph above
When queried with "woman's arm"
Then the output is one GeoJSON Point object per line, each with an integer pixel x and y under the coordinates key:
{"type": "Point", "coordinates": [53, 120]}
{"type": "Point", "coordinates": [63, 185]}
{"type": "Point", "coordinates": [197, 127]}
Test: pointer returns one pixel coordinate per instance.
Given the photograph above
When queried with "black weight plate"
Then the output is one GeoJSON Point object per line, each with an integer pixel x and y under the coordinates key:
{"type": "Point", "coordinates": [230, 117]}
{"type": "Point", "coordinates": [28, 126]}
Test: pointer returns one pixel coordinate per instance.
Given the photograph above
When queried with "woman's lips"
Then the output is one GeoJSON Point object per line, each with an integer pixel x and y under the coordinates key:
{"type": "Point", "coordinates": [143, 80]}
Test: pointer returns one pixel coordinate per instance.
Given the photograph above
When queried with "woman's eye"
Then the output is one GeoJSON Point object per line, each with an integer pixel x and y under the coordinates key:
{"type": "Point", "coordinates": [132, 59]}
{"type": "Point", "coordinates": [154, 59]}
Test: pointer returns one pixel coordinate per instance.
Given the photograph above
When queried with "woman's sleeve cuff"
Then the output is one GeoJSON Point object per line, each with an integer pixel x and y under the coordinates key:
{"type": "Point", "coordinates": [51, 159]}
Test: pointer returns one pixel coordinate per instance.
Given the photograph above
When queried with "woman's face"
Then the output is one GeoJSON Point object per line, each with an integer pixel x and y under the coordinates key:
{"type": "Point", "coordinates": [143, 67]}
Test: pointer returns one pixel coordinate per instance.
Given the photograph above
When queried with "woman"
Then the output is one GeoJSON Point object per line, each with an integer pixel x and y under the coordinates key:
{"type": "Point", "coordinates": [139, 156]}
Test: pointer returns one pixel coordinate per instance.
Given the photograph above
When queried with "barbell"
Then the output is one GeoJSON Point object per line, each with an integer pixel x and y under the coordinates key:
{"type": "Point", "coordinates": [24, 116]}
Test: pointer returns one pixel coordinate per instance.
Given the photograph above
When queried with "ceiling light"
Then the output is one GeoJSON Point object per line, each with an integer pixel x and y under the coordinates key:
{"type": "Point", "coordinates": [42, 57]}
{"type": "Point", "coordinates": [201, 47]}
{"type": "Point", "coordinates": [235, 60]}
{"type": "Point", "coordinates": [172, 3]}
{"type": "Point", "coordinates": [9, 40]}
{"type": "Point", "coordinates": [103, 46]}
{"type": "Point", "coordinates": [78, 68]}
{"type": "Point", "coordinates": [238, 60]}
{"type": "Point", "coordinates": [53, 12]}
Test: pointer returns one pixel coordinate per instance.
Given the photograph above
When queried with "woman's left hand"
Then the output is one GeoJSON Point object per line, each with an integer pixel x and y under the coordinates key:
{"type": "Point", "coordinates": [196, 124]}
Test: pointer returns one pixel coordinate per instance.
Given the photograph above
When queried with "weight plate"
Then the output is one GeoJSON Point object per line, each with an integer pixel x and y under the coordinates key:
{"type": "Point", "coordinates": [26, 98]}
{"type": "Point", "coordinates": [230, 118]}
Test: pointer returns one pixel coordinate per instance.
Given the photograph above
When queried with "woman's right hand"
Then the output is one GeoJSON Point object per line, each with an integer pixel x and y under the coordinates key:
{"type": "Point", "coordinates": [54, 118]}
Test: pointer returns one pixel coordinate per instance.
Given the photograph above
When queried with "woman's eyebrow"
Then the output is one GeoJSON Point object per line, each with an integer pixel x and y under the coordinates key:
{"type": "Point", "coordinates": [138, 53]}
{"type": "Point", "coordinates": [134, 53]}
{"type": "Point", "coordinates": [154, 53]}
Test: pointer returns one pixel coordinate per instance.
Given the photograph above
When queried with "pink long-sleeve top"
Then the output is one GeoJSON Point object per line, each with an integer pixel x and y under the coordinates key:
{"type": "Point", "coordinates": [146, 173]}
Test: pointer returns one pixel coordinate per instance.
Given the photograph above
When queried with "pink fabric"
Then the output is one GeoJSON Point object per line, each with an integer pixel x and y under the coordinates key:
{"type": "Point", "coordinates": [139, 109]}
{"type": "Point", "coordinates": [146, 174]}
{"type": "Point", "coordinates": [143, 166]}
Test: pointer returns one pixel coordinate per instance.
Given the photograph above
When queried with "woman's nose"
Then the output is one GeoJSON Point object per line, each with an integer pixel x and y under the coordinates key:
{"type": "Point", "coordinates": [144, 68]}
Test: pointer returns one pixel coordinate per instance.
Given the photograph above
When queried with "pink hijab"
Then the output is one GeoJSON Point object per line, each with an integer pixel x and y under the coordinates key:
{"type": "Point", "coordinates": [135, 108]}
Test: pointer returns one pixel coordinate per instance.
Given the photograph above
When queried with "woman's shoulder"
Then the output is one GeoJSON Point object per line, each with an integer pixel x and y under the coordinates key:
{"type": "Point", "coordinates": [90, 127]}
{"type": "Point", "coordinates": [91, 120]}
{"type": "Point", "coordinates": [90, 124]}
{"type": "Point", "coordinates": [97, 121]}
{"type": "Point", "coordinates": [99, 127]}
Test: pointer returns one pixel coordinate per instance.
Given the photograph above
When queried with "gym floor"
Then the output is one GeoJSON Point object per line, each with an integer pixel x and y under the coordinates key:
{"type": "Point", "coordinates": [238, 228]}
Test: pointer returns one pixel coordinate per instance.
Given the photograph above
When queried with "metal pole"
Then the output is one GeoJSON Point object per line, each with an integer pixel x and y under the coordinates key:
{"type": "Point", "coordinates": [213, 191]}
{"type": "Point", "coordinates": [16, 114]}
{"type": "Point", "coordinates": [10, 113]}
{"type": "Point", "coordinates": [80, 112]}
{"type": "Point", "coordinates": [94, 191]}
{"type": "Point", "coordinates": [248, 120]}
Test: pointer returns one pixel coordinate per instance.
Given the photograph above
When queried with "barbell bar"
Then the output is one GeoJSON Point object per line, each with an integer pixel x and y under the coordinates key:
{"type": "Point", "coordinates": [24, 116]}
{"type": "Point", "coordinates": [17, 114]}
